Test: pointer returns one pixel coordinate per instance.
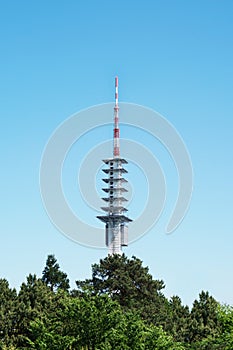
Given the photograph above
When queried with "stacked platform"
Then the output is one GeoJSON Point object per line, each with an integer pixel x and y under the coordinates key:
{"type": "Point", "coordinates": [115, 219]}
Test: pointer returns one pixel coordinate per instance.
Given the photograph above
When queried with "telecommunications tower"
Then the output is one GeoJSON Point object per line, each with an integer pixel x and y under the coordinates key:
{"type": "Point", "coordinates": [116, 229]}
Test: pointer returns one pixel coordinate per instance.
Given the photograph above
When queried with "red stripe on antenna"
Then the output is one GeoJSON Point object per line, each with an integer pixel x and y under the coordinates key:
{"type": "Point", "coordinates": [116, 133]}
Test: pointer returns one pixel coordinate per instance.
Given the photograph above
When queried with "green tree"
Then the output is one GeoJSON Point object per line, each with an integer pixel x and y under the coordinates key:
{"type": "Point", "coordinates": [178, 317]}
{"type": "Point", "coordinates": [53, 277]}
{"type": "Point", "coordinates": [130, 284]}
{"type": "Point", "coordinates": [78, 324]}
{"type": "Point", "coordinates": [204, 319]}
{"type": "Point", "coordinates": [96, 322]}
{"type": "Point", "coordinates": [8, 302]}
{"type": "Point", "coordinates": [225, 339]}
{"type": "Point", "coordinates": [46, 336]}
{"type": "Point", "coordinates": [35, 301]}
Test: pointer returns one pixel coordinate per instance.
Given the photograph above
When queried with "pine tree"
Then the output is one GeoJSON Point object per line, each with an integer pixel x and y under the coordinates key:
{"type": "Point", "coordinates": [130, 284]}
{"type": "Point", "coordinates": [53, 277]}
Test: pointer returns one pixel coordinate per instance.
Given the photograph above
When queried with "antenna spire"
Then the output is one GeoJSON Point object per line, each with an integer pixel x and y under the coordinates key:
{"type": "Point", "coordinates": [116, 135]}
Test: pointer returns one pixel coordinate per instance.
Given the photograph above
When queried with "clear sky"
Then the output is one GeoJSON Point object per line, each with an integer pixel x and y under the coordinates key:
{"type": "Point", "coordinates": [175, 57]}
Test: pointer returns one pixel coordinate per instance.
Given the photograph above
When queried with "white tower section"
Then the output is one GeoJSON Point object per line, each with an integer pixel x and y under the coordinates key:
{"type": "Point", "coordinates": [116, 229]}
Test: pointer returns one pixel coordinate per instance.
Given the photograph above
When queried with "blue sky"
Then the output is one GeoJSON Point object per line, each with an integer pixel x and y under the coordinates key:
{"type": "Point", "coordinates": [175, 57]}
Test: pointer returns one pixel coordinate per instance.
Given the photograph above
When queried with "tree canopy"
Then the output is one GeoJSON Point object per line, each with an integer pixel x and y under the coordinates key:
{"type": "Point", "coordinates": [53, 276]}
{"type": "Point", "coordinates": [120, 307]}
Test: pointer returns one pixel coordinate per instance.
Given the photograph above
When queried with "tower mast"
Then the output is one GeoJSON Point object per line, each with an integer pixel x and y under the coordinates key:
{"type": "Point", "coordinates": [116, 229]}
{"type": "Point", "coordinates": [116, 136]}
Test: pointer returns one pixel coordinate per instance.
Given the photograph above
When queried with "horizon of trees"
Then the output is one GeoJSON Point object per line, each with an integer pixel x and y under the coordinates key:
{"type": "Point", "coordinates": [120, 307]}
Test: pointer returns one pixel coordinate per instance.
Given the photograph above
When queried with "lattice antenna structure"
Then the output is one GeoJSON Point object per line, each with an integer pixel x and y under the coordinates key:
{"type": "Point", "coordinates": [115, 219]}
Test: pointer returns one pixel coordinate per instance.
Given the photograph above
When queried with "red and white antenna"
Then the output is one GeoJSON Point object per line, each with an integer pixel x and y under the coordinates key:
{"type": "Point", "coordinates": [116, 135]}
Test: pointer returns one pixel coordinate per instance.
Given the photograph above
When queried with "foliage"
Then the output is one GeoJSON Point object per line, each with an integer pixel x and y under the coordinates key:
{"type": "Point", "coordinates": [177, 320]}
{"type": "Point", "coordinates": [96, 322]}
{"type": "Point", "coordinates": [35, 300]}
{"type": "Point", "coordinates": [130, 284]}
{"type": "Point", "coordinates": [8, 301]}
{"type": "Point", "coordinates": [53, 276]}
{"type": "Point", "coordinates": [204, 318]}
{"type": "Point", "coordinates": [225, 338]}
{"type": "Point", "coordinates": [120, 307]}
